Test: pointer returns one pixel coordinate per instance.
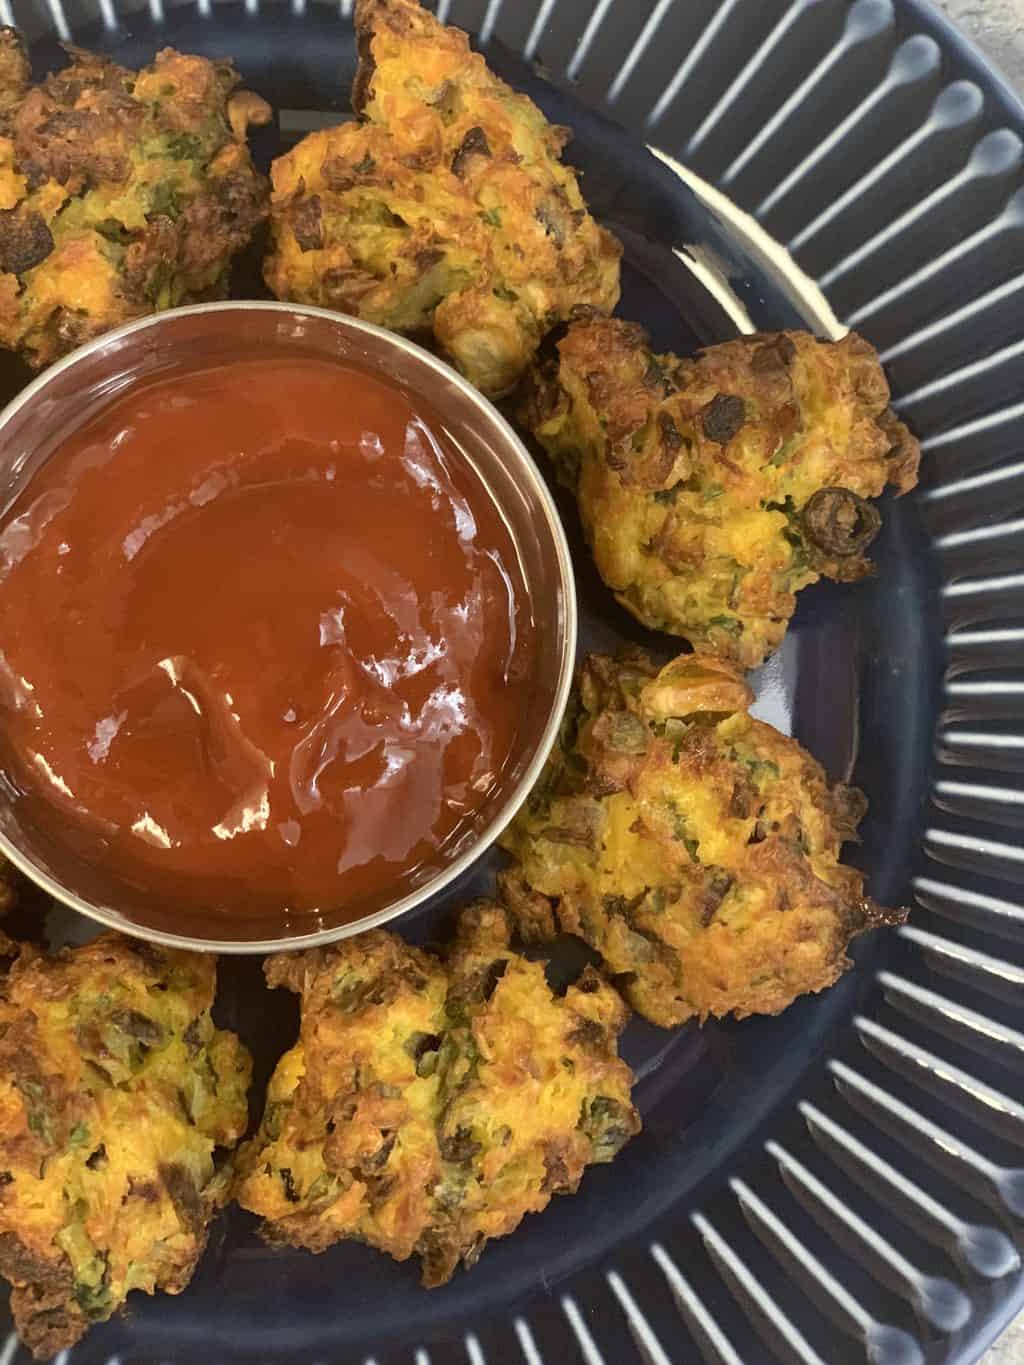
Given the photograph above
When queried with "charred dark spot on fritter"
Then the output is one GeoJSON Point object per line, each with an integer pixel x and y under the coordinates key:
{"type": "Point", "coordinates": [547, 360]}
{"type": "Point", "coordinates": [68, 143]}
{"type": "Point", "coordinates": [532, 913]}
{"type": "Point", "coordinates": [25, 241]}
{"type": "Point", "coordinates": [146, 1190]}
{"type": "Point", "coordinates": [657, 379]}
{"type": "Point", "coordinates": [459, 1147]}
{"type": "Point", "coordinates": [336, 174]}
{"type": "Point", "coordinates": [19, 1262]}
{"type": "Point", "coordinates": [777, 352]}
{"type": "Point", "coordinates": [478, 987]}
{"type": "Point", "coordinates": [149, 955]}
{"type": "Point", "coordinates": [871, 915]}
{"type": "Point", "coordinates": [421, 1045]}
{"type": "Point", "coordinates": [138, 1026]}
{"type": "Point", "coordinates": [563, 834]}
{"type": "Point", "coordinates": [551, 222]}
{"type": "Point", "coordinates": [45, 1320]}
{"type": "Point", "coordinates": [423, 159]}
{"type": "Point", "coordinates": [242, 201]}
{"type": "Point", "coordinates": [745, 799]}
{"type": "Point", "coordinates": [15, 73]}
{"type": "Point", "coordinates": [839, 522]}
{"type": "Point", "coordinates": [717, 884]}
{"type": "Point", "coordinates": [622, 905]}
{"type": "Point", "coordinates": [192, 1038]}
{"type": "Point", "coordinates": [473, 144]}
{"type": "Point", "coordinates": [35, 174]}
{"type": "Point", "coordinates": [669, 434]}
{"type": "Point", "coordinates": [352, 998]}
{"type": "Point", "coordinates": [723, 418]}
{"type": "Point", "coordinates": [558, 1175]}
{"type": "Point", "coordinates": [291, 1192]}
{"type": "Point", "coordinates": [181, 1188]}
{"type": "Point", "coordinates": [600, 783]}
{"type": "Point", "coordinates": [366, 68]}
{"type": "Point", "coordinates": [372, 1164]}
{"type": "Point", "coordinates": [438, 1259]}
{"type": "Point", "coordinates": [904, 455]}
{"type": "Point", "coordinates": [590, 981]}
{"type": "Point", "coordinates": [847, 807]}
{"type": "Point", "coordinates": [588, 1035]}
{"type": "Point", "coordinates": [585, 312]}
{"type": "Point", "coordinates": [307, 224]}
{"type": "Point", "coordinates": [427, 257]}
{"type": "Point", "coordinates": [345, 286]}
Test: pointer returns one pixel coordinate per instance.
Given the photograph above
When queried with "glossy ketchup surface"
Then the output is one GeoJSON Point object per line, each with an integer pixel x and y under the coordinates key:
{"type": "Point", "coordinates": [264, 640]}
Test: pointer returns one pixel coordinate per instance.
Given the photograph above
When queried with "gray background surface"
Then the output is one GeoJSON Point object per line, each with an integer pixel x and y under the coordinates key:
{"type": "Point", "coordinates": [997, 26]}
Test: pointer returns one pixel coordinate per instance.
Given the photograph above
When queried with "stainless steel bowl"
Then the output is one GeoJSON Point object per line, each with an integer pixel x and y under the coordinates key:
{"type": "Point", "coordinates": [74, 389]}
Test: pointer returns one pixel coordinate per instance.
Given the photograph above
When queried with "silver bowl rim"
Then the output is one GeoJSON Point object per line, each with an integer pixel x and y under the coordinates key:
{"type": "Point", "coordinates": [490, 416]}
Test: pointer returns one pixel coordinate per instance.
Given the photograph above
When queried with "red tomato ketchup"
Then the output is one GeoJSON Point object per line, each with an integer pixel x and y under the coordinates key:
{"type": "Point", "coordinates": [264, 639]}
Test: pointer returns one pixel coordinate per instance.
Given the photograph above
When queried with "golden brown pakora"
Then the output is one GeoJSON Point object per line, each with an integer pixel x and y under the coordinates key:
{"type": "Point", "coordinates": [115, 1088]}
{"type": "Point", "coordinates": [121, 192]}
{"type": "Point", "coordinates": [428, 1106]}
{"type": "Point", "coordinates": [446, 208]}
{"type": "Point", "coordinates": [694, 847]}
{"type": "Point", "coordinates": [712, 490]}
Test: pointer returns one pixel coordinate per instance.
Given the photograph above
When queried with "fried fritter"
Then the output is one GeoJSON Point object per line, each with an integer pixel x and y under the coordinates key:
{"type": "Point", "coordinates": [694, 847]}
{"type": "Point", "coordinates": [531, 1091]}
{"type": "Point", "coordinates": [447, 208]}
{"type": "Point", "coordinates": [428, 1106]}
{"type": "Point", "coordinates": [15, 73]}
{"type": "Point", "coordinates": [115, 1088]}
{"type": "Point", "coordinates": [121, 193]}
{"type": "Point", "coordinates": [712, 490]}
{"type": "Point", "coordinates": [347, 1146]}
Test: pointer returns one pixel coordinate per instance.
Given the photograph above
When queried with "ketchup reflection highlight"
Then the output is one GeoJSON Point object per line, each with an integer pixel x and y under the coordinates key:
{"type": "Point", "coordinates": [265, 642]}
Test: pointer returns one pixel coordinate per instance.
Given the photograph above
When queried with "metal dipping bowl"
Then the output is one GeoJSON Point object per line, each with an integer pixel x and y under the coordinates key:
{"type": "Point", "coordinates": [72, 391]}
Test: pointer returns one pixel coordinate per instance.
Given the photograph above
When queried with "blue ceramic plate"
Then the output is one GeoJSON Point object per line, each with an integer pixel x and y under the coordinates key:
{"type": "Point", "coordinates": [846, 1182]}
